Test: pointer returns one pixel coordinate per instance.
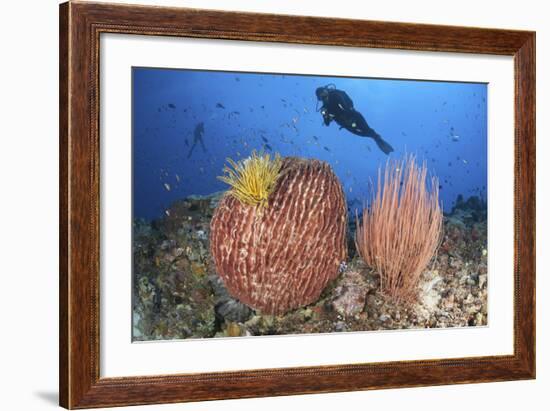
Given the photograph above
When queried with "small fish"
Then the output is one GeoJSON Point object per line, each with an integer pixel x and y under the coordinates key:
{"type": "Point", "coordinates": [172, 105]}
{"type": "Point", "coordinates": [177, 178]}
{"type": "Point", "coordinates": [455, 138]}
{"type": "Point", "coordinates": [326, 148]}
{"type": "Point", "coordinates": [465, 161]}
{"type": "Point", "coordinates": [404, 134]}
{"type": "Point", "coordinates": [237, 79]}
{"type": "Point", "coordinates": [267, 146]}
{"type": "Point", "coordinates": [316, 138]}
{"type": "Point", "coordinates": [167, 212]}
{"type": "Point", "coordinates": [220, 105]}
{"type": "Point", "coordinates": [265, 139]}
{"type": "Point", "coordinates": [167, 186]}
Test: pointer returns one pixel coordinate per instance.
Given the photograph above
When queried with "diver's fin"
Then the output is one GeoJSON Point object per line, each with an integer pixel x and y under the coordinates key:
{"type": "Point", "coordinates": [383, 145]}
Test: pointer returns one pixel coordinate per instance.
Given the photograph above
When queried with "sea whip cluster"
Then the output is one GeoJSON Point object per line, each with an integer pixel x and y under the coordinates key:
{"type": "Point", "coordinates": [400, 230]}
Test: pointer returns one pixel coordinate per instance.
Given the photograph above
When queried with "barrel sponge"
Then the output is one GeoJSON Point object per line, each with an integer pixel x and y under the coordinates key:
{"type": "Point", "coordinates": [281, 255]}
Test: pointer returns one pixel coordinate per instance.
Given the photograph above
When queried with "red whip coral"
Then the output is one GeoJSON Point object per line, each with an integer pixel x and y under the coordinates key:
{"type": "Point", "coordinates": [400, 232]}
{"type": "Point", "coordinates": [280, 256]}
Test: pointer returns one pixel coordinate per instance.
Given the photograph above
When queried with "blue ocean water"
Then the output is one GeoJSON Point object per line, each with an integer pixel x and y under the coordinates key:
{"type": "Point", "coordinates": [442, 123]}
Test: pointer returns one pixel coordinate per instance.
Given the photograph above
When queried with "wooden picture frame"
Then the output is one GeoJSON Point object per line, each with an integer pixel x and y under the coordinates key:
{"type": "Point", "coordinates": [80, 27]}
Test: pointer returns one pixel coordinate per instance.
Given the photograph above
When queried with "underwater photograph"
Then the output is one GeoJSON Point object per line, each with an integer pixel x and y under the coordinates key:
{"type": "Point", "coordinates": [276, 204]}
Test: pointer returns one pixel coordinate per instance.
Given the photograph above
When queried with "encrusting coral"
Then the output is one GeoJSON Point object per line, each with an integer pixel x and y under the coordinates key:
{"type": "Point", "coordinates": [398, 234]}
{"type": "Point", "coordinates": [279, 256]}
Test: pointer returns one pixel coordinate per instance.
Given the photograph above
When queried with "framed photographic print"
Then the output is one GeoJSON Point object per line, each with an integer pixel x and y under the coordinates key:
{"type": "Point", "coordinates": [256, 205]}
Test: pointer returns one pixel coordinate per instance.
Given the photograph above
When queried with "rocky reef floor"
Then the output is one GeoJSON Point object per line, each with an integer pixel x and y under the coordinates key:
{"type": "Point", "coordinates": [177, 293]}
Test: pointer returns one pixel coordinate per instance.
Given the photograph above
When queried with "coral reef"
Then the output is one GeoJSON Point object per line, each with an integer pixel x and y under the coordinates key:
{"type": "Point", "coordinates": [282, 256]}
{"type": "Point", "coordinates": [400, 229]}
{"type": "Point", "coordinates": [178, 293]}
{"type": "Point", "coordinates": [170, 270]}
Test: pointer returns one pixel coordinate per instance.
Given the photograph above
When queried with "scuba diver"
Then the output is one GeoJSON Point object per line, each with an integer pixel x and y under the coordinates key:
{"type": "Point", "coordinates": [338, 106]}
{"type": "Point", "coordinates": [197, 137]}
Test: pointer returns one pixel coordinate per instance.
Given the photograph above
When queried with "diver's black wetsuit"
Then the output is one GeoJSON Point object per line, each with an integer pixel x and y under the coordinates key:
{"type": "Point", "coordinates": [338, 106]}
{"type": "Point", "coordinates": [197, 137]}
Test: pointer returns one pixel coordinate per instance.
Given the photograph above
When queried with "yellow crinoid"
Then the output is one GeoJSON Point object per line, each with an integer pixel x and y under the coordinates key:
{"type": "Point", "coordinates": [253, 179]}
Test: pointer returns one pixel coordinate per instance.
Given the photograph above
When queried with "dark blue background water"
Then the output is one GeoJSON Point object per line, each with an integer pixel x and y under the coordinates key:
{"type": "Point", "coordinates": [443, 123]}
